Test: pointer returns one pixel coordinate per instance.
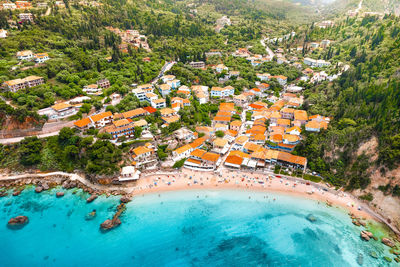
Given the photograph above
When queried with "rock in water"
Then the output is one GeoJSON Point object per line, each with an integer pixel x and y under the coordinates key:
{"type": "Point", "coordinates": [311, 218]}
{"type": "Point", "coordinates": [59, 194]}
{"type": "Point", "coordinates": [360, 259]}
{"type": "Point", "coordinates": [388, 242]}
{"type": "Point", "coordinates": [366, 235]}
{"type": "Point", "coordinates": [373, 254]}
{"type": "Point", "coordinates": [38, 189]}
{"type": "Point", "coordinates": [17, 222]}
{"type": "Point", "coordinates": [91, 198]}
{"type": "Point", "coordinates": [110, 224]}
{"type": "Point", "coordinates": [90, 215]}
{"type": "Point", "coordinates": [45, 186]}
{"type": "Point", "coordinates": [125, 199]}
{"type": "Point", "coordinates": [3, 194]}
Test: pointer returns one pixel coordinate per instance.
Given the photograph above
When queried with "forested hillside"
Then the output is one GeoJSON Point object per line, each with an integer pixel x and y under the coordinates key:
{"type": "Point", "coordinates": [364, 102]}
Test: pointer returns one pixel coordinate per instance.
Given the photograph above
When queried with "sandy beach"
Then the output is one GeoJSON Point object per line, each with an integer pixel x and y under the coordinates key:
{"type": "Point", "coordinates": [234, 180]}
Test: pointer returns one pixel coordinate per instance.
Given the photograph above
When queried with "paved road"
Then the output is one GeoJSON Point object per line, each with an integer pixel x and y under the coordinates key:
{"type": "Point", "coordinates": [269, 51]}
{"type": "Point", "coordinates": [167, 66]}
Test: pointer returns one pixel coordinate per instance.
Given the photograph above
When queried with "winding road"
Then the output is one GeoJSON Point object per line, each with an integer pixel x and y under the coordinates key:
{"type": "Point", "coordinates": [269, 51]}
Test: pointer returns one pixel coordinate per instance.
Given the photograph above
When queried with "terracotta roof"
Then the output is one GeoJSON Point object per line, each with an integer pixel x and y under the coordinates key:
{"type": "Point", "coordinates": [195, 161]}
{"type": "Point", "coordinates": [276, 138]}
{"type": "Point", "coordinates": [291, 138]}
{"type": "Point", "coordinates": [300, 115]}
{"type": "Point", "coordinates": [198, 142]}
{"type": "Point", "coordinates": [252, 147]}
{"type": "Point", "coordinates": [209, 156]}
{"type": "Point", "coordinates": [167, 111]}
{"type": "Point", "coordinates": [159, 100]}
{"type": "Point", "coordinates": [101, 116]}
{"type": "Point", "coordinates": [61, 106]}
{"type": "Point", "coordinates": [171, 119]}
{"type": "Point", "coordinates": [283, 122]}
{"type": "Point", "coordinates": [220, 142]}
{"type": "Point", "coordinates": [287, 157]}
{"type": "Point", "coordinates": [140, 123]}
{"type": "Point", "coordinates": [293, 129]}
{"type": "Point", "coordinates": [313, 125]}
{"type": "Point", "coordinates": [223, 114]}
{"type": "Point", "coordinates": [239, 153]}
{"type": "Point", "coordinates": [198, 153]}
{"type": "Point", "coordinates": [222, 118]}
{"type": "Point", "coordinates": [259, 137]}
{"type": "Point", "coordinates": [150, 109]}
{"type": "Point", "coordinates": [240, 140]}
{"type": "Point", "coordinates": [123, 122]}
{"type": "Point", "coordinates": [82, 123]}
{"type": "Point", "coordinates": [227, 107]}
{"type": "Point", "coordinates": [141, 150]}
{"type": "Point", "coordinates": [276, 115]}
{"type": "Point", "coordinates": [236, 123]}
{"type": "Point", "coordinates": [287, 110]}
{"type": "Point", "coordinates": [204, 129]}
{"type": "Point", "coordinates": [231, 133]}
{"type": "Point", "coordinates": [134, 113]}
{"type": "Point", "coordinates": [236, 160]}
{"type": "Point", "coordinates": [182, 149]}
{"type": "Point", "coordinates": [221, 125]}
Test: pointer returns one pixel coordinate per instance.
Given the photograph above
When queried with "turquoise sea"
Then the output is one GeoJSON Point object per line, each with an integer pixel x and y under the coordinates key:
{"type": "Point", "coordinates": [185, 228]}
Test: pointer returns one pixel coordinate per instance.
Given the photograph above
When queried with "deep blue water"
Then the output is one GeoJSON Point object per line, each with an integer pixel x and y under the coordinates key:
{"type": "Point", "coordinates": [187, 228]}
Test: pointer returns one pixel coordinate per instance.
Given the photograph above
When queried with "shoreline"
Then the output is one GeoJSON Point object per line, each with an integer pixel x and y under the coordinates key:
{"type": "Point", "coordinates": [187, 179]}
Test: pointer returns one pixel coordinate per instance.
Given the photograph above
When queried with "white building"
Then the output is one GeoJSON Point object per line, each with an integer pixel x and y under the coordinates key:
{"type": "Point", "coordinates": [41, 57]}
{"type": "Point", "coordinates": [25, 55]}
{"type": "Point", "coordinates": [3, 33]}
{"type": "Point", "coordinates": [129, 173]}
{"type": "Point", "coordinates": [222, 92]}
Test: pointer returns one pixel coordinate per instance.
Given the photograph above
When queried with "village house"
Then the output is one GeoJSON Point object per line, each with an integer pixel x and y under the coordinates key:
{"type": "Point", "coordinates": [143, 156]}
{"type": "Point", "coordinates": [23, 4]}
{"type": "Point", "coordinates": [9, 5]}
{"type": "Point", "coordinates": [235, 125]}
{"type": "Point", "coordinates": [92, 89]}
{"type": "Point", "coordinates": [239, 142]}
{"type": "Point", "coordinates": [197, 65]}
{"type": "Point", "coordinates": [165, 89]}
{"type": "Point", "coordinates": [158, 103]}
{"type": "Point", "coordinates": [230, 135]}
{"type": "Point", "coordinates": [185, 135]}
{"type": "Point", "coordinates": [282, 80]}
{"type": "Point", "coordinates": [240, 100]}
{"type": "Point", "coordinates": [27, 82]}
{"type": "Point", "coordinates": [135, 113]}
{"type": "Point", "coordinates": [287, 113]}
{"type": "Point", "coordinates": [184, 90]}
{"type": "Point", "coordinates": [301, 116]}
{"type": "Point", "coordinates": [41, 57]}
{"type": "Point", "coordinates": [263, 76]}
{"type": "Point", "coordinates": [3, 33]}
{"type": "Point", "coordinates": [208, 161]}
{"type": "Point", "coordinates": [222, 92]}
{"type": "Point", "coordinates": [220, 68]}
{"type": "Point", "coordinates": [103, 83]}
{"type": "Point", "coordinates": [220, 146]}
{"type": "Point", "coordinates": [174, 84]}
{"type": "Point", "coordinates": [167, 78]}
{"type": "Point", "coordinates": [121, 128]}
{"type": "Point", "coordinates": [102, 119]}
{"type": "Point", "coordinates": [26, 17]}
{"type": "Point", "coordinates": [59, 111]}
{"type": "Point", "coordinates": [25, 55]}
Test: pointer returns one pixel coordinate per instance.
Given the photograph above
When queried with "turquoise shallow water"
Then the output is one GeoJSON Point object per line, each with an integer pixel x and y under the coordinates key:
{"type": "Point", "coordinates": [187, 228]}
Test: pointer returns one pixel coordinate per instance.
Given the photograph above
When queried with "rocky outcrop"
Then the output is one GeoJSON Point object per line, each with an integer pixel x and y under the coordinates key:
{"type": "Point", "coordinates": [388, 242]}
{"type": "Point", "coordinates": [90, 216]}
{"type": "Point", "coordinates": [311, 218]}
{"type": "Point", "coordinates": [17, 222]}
{"type": "Point", "coordinates": [59, 194]}
{"type": "Point", "coordinates": [115, 221]}
{"type": "Point", "coordinates": [17, 192]}
{"type": "Point", "coordinates": [91, 198]}
{"type": "Point", "coordinates": [366, 235]}
{"type": "Point", "coordinates": [38, 189]}
{"type": "Point", "coordinates": [125, 199]}
{"type": "Point", "coordinates": [3, 194]}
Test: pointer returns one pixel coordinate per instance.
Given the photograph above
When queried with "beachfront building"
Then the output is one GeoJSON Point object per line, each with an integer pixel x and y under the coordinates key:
{"type": "Point", "coordinates": [144, 156]}
{"type": "Point", "coordinates": [27, 82]}
{"type": "Point", "coordinates": [129, 173]}
{"type": "Point", "coordinates": [202, 160]}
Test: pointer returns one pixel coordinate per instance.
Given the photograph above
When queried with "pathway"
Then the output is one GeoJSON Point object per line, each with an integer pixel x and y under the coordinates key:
{"type": "Point", "coordinates": [269, 51]}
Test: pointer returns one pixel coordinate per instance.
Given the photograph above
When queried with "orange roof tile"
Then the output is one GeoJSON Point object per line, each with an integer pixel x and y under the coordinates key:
{"type": "Point", "coordinates": [209, 156]}
{"type": "Point", "coordinates": [236, 160]}
{"type": "Point", "coordinates": [82, 123]}
{"type": "Point", "coordinates": [198, 153]}
{"type": "Point", "coordinates": [300, 115]}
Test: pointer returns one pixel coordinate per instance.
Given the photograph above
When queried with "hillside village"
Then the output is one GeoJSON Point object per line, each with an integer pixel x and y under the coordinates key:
{"type": "Point", "coordinates": [254, 128]}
